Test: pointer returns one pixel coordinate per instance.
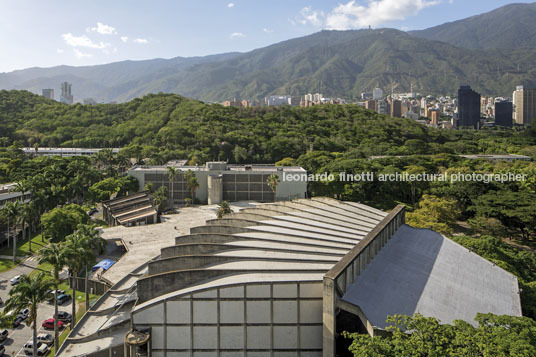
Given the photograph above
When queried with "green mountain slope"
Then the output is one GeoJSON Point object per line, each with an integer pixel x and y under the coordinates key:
{"type": "Point", "coordinates": [511, 26]}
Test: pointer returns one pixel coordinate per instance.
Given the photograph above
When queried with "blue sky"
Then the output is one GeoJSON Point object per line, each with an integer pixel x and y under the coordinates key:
{"type": "Point", "coordinates": [46, 33]}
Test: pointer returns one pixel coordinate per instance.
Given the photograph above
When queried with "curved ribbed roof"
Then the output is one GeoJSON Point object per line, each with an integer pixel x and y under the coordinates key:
{"type": "Point", "coordinates": [286, 239]}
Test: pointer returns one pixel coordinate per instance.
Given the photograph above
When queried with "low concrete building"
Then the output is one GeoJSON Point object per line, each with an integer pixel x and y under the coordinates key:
{"type": "Point", "coordinates": [219, 181]}
{"type": "Point", "coordinates": [285, 278]}
{"type": "Point", "coordinates": [64, 151]}
{"type": "Point", "coordinates": [132, 210]}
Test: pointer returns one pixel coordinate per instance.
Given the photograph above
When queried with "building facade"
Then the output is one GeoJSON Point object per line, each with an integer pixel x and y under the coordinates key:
{"type": "Point", "coordinates": [219, 181]}
{"type": "Point", "coordinates": [503, 113]}
{"type": "Point", "coordinates": [66, 94]}
{"type": "Point", "coordinates": [525, 105]}
{"type": "Point", "coordinates": [48, 93]}
{"type": "Point", "coordinates": [468, 107]}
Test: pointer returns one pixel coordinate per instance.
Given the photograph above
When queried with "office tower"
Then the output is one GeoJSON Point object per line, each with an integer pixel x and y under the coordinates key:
{"type": "Point", "coordinates": [66, 95]}
{"type": "Point", "coordinates": [396, 108]}
{"type": "Point", "coordinates": [48, 93]}
{"type": "Point", "coordinates": [468, 107]}
{"type": "Point", "coordinates": [377, 94]}
{"type": "Point", "coordinates": [525, 105]}
{"type": "Point", "coordinates": [503, 113]}
{"type": "Point", "coordinates": [434, 117]}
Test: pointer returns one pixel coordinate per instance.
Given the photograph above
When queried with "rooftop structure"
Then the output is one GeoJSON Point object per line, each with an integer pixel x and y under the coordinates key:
{"type": "Point", "coordinates": [506, 157]}
{"type": "Point", "coordinates": [132, 210]}
{"type": "Point", "coordinates": [276, 279]}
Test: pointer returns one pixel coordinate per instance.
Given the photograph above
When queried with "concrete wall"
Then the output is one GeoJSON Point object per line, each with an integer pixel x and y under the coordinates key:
{"type": "Point", "coordinates": [343, 273]}
{"type": "Point", "coordinates": [265, 319]}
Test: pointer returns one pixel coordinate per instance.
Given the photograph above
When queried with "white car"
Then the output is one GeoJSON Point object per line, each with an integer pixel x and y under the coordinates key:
{"type": "Point", "coordinates": [23, 315]}
{"type": "Point", "coordinates": [46, 338]}
{"type": "Point", "coordinates": [42, 348]}
{"type": "Point", "coordinates": [15, 280]}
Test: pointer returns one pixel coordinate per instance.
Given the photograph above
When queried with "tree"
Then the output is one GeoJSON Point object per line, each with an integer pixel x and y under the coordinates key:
{"type": "Point", "coordinates": [494, 336]}
{"type": "Point", "coordinates": [273, 181]}
{"type": "Point", "coordinates": [172, 174]}
{"type": "Point", "coordinates": [223, 209]}
{"type": "Point", "coordinates": [76, 256]}
{"type": "Point", "coordinates": [62, 221]}
{"type": "Point", "coordinates": [415, 185]}
{"type": "Point", "coordinates": [28, 294]}
{"type": "Point", "coordinates": [191, 183]}
{"type": "Point", "coordinates": [160, 198]}
{"type": "Point", "coordinates": [514, 209]}
{"type": "Point", "coordinates": [94, 244]}
{"type": "Point", "coordinates": [438, 214]}
{"type": "Point", "coordinates": [54, 255]}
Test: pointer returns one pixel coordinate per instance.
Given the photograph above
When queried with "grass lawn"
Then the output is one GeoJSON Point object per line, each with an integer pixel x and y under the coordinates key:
{"type": "Point", "coordinates": [23, 249]}
{"type": "Point", "coordinates": [6, 264]}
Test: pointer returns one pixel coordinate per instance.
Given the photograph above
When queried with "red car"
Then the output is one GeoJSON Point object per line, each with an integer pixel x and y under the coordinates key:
{"type": "Point", "coordinates": [49, 324]}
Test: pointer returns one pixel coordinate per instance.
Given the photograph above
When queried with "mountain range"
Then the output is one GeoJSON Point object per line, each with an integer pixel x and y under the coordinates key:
{"type": "Point", "coordinates": [492, 52]}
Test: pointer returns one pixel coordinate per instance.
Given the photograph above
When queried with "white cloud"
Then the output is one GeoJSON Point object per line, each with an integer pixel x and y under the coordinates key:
{"type": "Point", "coordinates": [374, 13]}
{"type": "Point", "coordinates": [229, 5]}
{"type": "Point", "coordinates": [102, 29]}
{"type": "Point", "coordinates": [267, 30]}
{"type": "Point", "coordinates": [311, 16]}
{"type": "Point", "coordinates": [124, 38]}
{"type": "Point", "coordinates": [143, 41]}
{"type": "Point", "coordinates": [80, 55]}
{"type": "Point", "coordinates": [237, 35]}
{"type": "Point", "coordinates": [59, 50]}
{"type": "Point", "coordinates": [83, 41]}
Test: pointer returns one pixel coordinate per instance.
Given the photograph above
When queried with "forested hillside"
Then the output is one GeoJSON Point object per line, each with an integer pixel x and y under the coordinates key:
{"type": "Point", "coordinates": [165, 126]}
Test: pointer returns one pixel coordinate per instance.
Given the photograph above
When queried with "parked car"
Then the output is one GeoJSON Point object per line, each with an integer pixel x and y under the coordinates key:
{"type": "Point", "coordinates": [46, 338]}
{"type": "Point", "coordinates": [63, 298]}
{"type": "Point", "coordinates": [42, 348]}
{"type": "Point", "coordinates": [51, 294]}
{"type": "Point", "coordinates": [16, 323]}
{"type": "Point", "coordinates": [49, 324]}
{"type": "Point", "coordinates": [23, 315]}
{"type": "Point", "coordinates": [92, 211]}
{"type": "Point", "coordinates": [2, 350]}
{"type": "Point", "coordinates": [64, 316]}
{"type": "Point", "coordinates": [3, 335]}
{"type": "Point", "coordinates": [15, 280]}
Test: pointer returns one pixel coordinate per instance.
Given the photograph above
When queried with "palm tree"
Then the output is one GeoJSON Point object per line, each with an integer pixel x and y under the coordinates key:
{"type": "Point", "coordinates": [28, 294]}
{"type": "Point", "coordinates": [76, 255]}
{"type": "Point", "coordinates": [172, 174]}
{"type": "Point", "coordinates": [273, 181]}
{"type": "Point", "coordinates": [54, 255]}
{"type": "Point", "coordinates": [93, 244]}
{"type": "Point", "coordinates": [191, 183]}
{"type": "Point", "coordinates": [14, 211]}
{"type": "Point", "coordinates": [224, 209]}
{"type": "Point", "coordinates": [7, 212]}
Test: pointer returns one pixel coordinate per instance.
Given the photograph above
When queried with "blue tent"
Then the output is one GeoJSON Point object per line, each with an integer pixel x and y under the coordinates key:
{"type": "Point", "coordinates": [104, 264]}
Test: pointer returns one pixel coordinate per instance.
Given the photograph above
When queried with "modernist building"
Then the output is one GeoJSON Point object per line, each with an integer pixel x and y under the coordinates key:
{"type": "Point", "coordinates": [468, 107]}
{"type": "Point", "coordinates": [285, 279]}
{"type": "Point", "coordinates": [219, 181]}
{"type": "Point", "coordinates": [64, 151]}
{"type": "Point", "coordinates": [132, 210]}
{"type": "Point", "coordinates": [503, 114]}
{"type": "Point", "coordinates": [396, 108]}
{"type": "Point", "coordinates": [525, 100]}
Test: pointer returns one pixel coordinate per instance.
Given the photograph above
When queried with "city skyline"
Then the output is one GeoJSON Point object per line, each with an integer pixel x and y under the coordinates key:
{"type": "Point", "coordinates": [89, 34]}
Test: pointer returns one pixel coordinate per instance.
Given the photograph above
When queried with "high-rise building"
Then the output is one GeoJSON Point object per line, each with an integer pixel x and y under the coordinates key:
{"type": "Point", "coordinates": [48, 93]}
{"type": "Point", "coordinates": [468, 107]}
{"type": "Point", "coordinates": [370, 104]}
{"type": "Point", "coordinates": [66, 95]}
{"type": "Point", "coordinates": [503, 113]}
{"type": "Point", "coordinates": [525, 105]}
{"type": "Point", "coordinates": [434, 117]}
{"type": "Point", "coordinates": [377, 94]}
{"type": "Point", "coordinates": [396, 108]}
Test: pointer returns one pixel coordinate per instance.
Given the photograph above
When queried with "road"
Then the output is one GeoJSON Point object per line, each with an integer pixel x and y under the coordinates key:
{"type": "Point", "coordinates": [19, 336]}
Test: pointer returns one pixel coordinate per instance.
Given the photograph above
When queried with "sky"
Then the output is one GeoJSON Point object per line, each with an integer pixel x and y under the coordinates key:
{"type": "Point", "coordinates": [46, 33]}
